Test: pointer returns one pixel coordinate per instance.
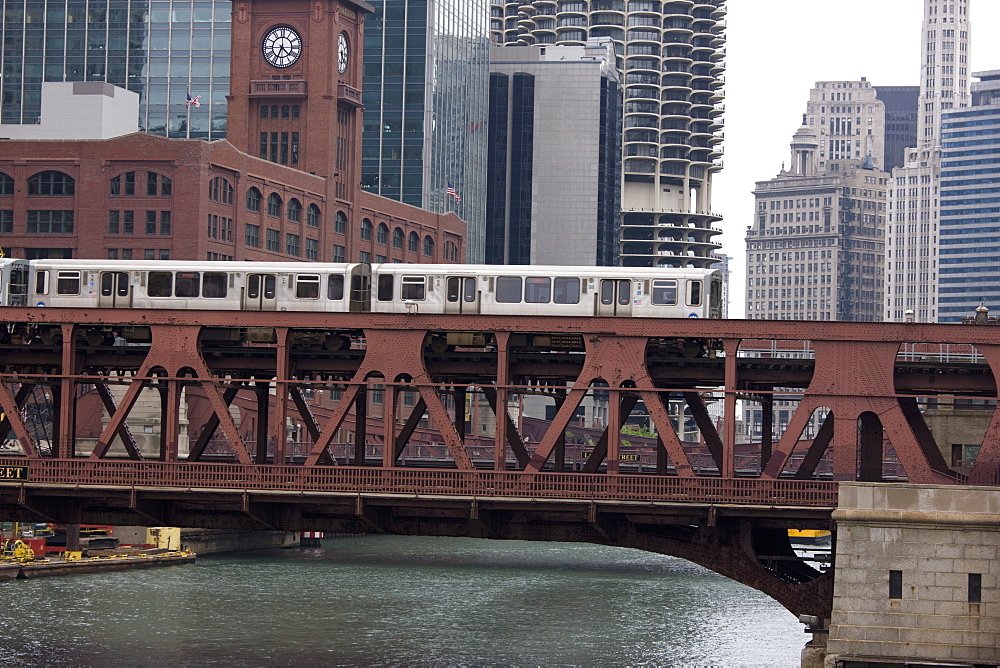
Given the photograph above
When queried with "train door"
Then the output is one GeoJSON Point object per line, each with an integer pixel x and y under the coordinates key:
{"type": "Point", "coordinates": [461, 295]}
{"type": "Point", "coordinates": [14, 284]}
{"type": "Point", "coordinates": [260, 293]}
{"type": "Point", "coordinates": [615, 297]}
{"type": "Point", "coordinates": [115, 291]}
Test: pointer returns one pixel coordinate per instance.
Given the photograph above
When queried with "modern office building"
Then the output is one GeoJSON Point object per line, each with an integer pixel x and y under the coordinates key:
{"type": "Point", "coordinates": [900, 122]}
{"type": "Point", "coordinates": [969, 236]}
{"type": "Point", "coordinates": [816, 249]}
{"type": "Point", "coordinates": [670, 54]}
{"type": "Point", "coordinates": [912, 230]}
{"type": "Point", "coordinates": [554, 186]}
{"type": "Point", "coordinates": [161, 49]}
{"type": "Point", "coordinates": [425, 85]}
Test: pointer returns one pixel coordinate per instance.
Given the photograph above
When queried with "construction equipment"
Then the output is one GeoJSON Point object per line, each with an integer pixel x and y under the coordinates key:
{"type": "Point", "coordinates": [15, 549]}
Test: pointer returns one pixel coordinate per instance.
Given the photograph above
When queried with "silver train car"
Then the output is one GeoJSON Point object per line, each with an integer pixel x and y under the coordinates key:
{"type": "Point", "coordinates": [348, 288]}
{"type": "Point", "coordinates": [356, 287]}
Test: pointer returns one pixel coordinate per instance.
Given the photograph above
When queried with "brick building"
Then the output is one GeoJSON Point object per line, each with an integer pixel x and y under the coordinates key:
{"type": "Point", "coordinates": [283, 186]}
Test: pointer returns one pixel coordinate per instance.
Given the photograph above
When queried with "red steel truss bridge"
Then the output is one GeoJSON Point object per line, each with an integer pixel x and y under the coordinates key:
{"type": "Point", "coordinates": [429, 424]}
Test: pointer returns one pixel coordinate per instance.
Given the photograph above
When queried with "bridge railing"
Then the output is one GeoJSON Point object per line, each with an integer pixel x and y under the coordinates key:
{"type": "Point", "coordinates": [371, 480]}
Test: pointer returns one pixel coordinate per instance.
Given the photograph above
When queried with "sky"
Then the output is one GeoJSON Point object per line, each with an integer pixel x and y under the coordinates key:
{"type": "Point", "coordinates": [775, 52]}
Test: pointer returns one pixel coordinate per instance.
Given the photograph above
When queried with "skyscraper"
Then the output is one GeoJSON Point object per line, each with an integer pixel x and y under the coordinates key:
{"type": "Point", "coordinates": [969, 246]}
{"type": "Point", "coordinates": [159, 49]}
{"type": "Point", "coordinates": [900, 122]}
{"type": "Point", "coordinates": [670, 55]}
{"type": "Point", "coordinates": [555, 187]}
{"type": "Point", "coordinates": [816, 249]}
{"type": "Point", "coordinates": [912, 229]}
{"type": "Point", "coordinates": [425, 94]}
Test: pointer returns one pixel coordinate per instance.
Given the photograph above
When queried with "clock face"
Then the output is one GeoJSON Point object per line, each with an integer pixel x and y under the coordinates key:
{"type": "Point", "coordinates": [282, 46]}
{"type": "Point", "coordinates": [343, 53]}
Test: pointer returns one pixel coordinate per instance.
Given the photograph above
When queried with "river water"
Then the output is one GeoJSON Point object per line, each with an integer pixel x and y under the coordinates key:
{"type": "Point", "coordinates": [401, 601]}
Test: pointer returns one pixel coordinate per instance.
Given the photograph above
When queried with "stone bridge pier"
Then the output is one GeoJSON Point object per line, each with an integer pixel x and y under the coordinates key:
{"type": "Point", "coordinates": [917, 578]}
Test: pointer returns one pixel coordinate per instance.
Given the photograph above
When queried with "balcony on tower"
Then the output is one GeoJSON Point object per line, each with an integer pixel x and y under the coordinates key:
{"type": "Point", "coordinates": [278, 88]}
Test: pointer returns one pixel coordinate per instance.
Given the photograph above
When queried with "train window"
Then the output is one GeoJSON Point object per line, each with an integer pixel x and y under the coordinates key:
{"type": "Point", "coordinates": [624, 292]}
{"type": "Point", "coordinates": [307, 286]}
{"type": "Point", "coordinates": [68, 283]}
{"type": "Point", "coordinates": [664, 292]}
{"type": "Point", "coordinates": [384, 292]}
{"type": "Point", "coordinates": [214, 285]}
{"type": "Point", "coordinates": [607, 292]}
{"type": "Point", "coordinates": [508, 289]}
{"type": "Point", "coordinates": [41, 282]}
{"type": "Point", "coordinates": [694, 293]}
{"type": "Point", "coordinates": [453, 289]}
{"type": "Point", "coordinates": [335, 287]}
{"type": "Point", "coordinates": [413, 287]}
{"type": "Point", "coordinates": [161, 284]}
{"type": "Point", "coordinates": [187, 284]}
{"type": "Point", "coordinates": [537, 289]}
{"type": "Point", "coordinates": [470, 289]}
{"type": "Point", "coordinates": [566, 291]}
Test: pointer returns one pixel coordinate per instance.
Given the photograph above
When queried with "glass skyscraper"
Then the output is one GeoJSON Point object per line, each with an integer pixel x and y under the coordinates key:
{"type": "Point", "coordinates": [969, 236]}
{"type": "Point", "coordinates": [425, 92]}
{"type": "Point", "coordinates": [160, 49]}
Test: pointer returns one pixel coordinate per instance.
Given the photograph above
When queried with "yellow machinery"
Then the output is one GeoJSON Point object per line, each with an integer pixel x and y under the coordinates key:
{"type": "Point", "coordinates": [14, 549]}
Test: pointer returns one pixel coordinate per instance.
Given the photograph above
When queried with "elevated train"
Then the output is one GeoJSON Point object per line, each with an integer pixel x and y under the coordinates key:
{"type": "Point", "coordinates": [357, 287]}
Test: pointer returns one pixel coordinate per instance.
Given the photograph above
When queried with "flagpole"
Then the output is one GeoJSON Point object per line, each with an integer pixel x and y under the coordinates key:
{"type": "Point", "coordinates": [187, 104]}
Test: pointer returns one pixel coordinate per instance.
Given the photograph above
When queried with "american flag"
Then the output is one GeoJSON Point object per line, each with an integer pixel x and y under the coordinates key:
{"type": "Point", "coordinates": [192, 100]}
{"type": "Point", "coordinates": [451, 191]}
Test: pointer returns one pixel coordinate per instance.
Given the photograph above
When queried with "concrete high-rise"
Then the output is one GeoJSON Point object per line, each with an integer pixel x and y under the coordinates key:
{"type": "Point", "coordinates": [969, 239]}
{"type": "Point", "coordinates": [426, 77]}
{"type": "Point", "coordinates": [670, 56]}
{"type": "Point", "coordinates": [849, 120]}
{"type": "Point", "coordinates": [816, 248]}
{"type": "Point", "coordinates": [554, 187]}
{"type": "Point", "coordinates": [912, 230]}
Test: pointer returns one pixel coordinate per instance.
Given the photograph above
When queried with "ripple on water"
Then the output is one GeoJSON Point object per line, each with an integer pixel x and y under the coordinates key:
{"type": "Point", "coordinates": [401, 601]}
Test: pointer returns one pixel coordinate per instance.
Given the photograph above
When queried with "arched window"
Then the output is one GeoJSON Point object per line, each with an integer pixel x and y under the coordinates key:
{"type": "Point", "coordinates": [220, 190]}
{"type": "Point", "coordinates": [295, 210]}
{"type": "Point", "coordinates": [274, 205]}
{"type": "Point", "coordinates": [397, 238]}
{"type": "Point", "coordinates": [158, 185]}
{"type": "Point", "coordinates": [253, 199]}
{"type": "Point", "coordinates": [122, 185]}
{"type": "Point", "coordinates": [366, 230]}
{"type": "Point", "coordinates": [312, 216]}
{"type": "Point", "coordinates": [6, 185]}
{"type": "Point", "coordinates": [414, 243]}
{"type": "Point", "coordinates": [51, 183]}
{"type": "Point", "coordinates": [263, 111]}
{"type": "Point", "coordinates": [428, 245]}
{"type": "Point", "coordinates": [383, 233]}
{"type": "Point", "coordinates": [340, 223]}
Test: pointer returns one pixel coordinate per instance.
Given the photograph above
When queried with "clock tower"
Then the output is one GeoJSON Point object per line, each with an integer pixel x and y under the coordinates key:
{"type": "Point", "coordinates": [295, 95]}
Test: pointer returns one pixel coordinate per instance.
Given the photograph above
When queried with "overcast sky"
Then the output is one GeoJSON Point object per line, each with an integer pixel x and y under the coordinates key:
{"type": "Point", "coordinates": [776, 50]}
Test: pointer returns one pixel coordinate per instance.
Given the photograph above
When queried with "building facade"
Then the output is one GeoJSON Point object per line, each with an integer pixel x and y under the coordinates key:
{"type": "Point", "coordinates": [425, 84]}
{"type": "Point", "coordinates": [849, 120]}
{"type": "Point", "coordinates": [914, 213]}
{"type": "Point", "coordinates": [816, 249]}
{"type": "Point", "coordinates": [554, 187]}
{"type": "Point", "coordinates": [900, 122]}
{"type": "Point", "coordinates": [162, 50]}
{"type": "Point", "coordinates": [969, 238]}
{"type": "Point", "coordinates": [670, 55]}
{"type": "Point", "coordinates": [283, 186]}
